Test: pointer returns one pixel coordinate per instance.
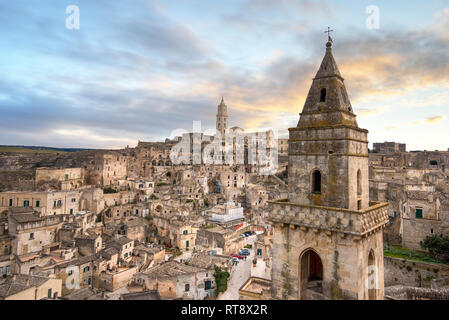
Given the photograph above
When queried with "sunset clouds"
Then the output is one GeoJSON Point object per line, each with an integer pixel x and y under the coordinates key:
{"type": "Point", "coordinates": [137, 70]}
{"type": "Point", "coordinates": [427, 121]}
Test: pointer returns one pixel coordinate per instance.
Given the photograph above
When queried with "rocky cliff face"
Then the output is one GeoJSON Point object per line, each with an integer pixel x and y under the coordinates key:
{"type": "Point", "coordinates": [17, 170]}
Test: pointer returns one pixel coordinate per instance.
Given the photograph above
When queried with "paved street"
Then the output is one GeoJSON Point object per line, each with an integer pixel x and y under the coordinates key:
{"type": "Point", "coordinates": [239, 275]}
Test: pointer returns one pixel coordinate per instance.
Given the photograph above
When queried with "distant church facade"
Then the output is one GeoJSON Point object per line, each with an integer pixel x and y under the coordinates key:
{"type": "Point", "coordinates": [327, 240]}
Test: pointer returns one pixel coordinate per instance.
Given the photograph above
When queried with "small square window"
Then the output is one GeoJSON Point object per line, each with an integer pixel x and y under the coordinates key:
{"type": "Point", "coordinates": [418, 213]}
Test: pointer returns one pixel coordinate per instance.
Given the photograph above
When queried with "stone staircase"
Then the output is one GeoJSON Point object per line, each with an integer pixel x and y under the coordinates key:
{"type": "Point", "coordinates": [314, 295]}
{"type": "Point", "coordinates": [314, 291]}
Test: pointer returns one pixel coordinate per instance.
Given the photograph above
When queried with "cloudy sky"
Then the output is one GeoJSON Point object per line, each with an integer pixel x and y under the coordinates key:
{"type": "Point", "coordinates": [140, 69]}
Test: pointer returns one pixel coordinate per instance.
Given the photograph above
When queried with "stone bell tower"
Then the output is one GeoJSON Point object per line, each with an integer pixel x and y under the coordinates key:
{"type": "Point", "coordinates": [327, 235]}
{"type": "Point", "coordinates": [222, 118]}
{"type": "Point", "coordinates": [327, 147]}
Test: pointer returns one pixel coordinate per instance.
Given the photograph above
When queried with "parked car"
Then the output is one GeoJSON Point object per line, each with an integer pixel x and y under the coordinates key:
{"type": "Point", "coordinates": [237, 256]}
{"type": "Point", "coordinates": [244, 252]}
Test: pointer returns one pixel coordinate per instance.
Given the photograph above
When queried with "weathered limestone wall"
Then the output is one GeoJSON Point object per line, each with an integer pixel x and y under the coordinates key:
{"type": "Point", "coordinates": [345, 262]}
{"type": "Point", "coordinates": [400, 292]}
{"type": "Point", "coordinates": [122, 278]}
{"type": "Point", "coordinates": [342, 238]}
{"type": "Point", "coordinates": [70, 178]}
{"type": "Point", "coordinates": [416, 230]}
{"type": "Point", "coordinates": [47, 203]}
{"type": "Point", "coordinates": [412, 273]}
{"type": "Point", "coordinates": [54, 284]}
{"type": "Point", "coordinates": [332, 219]}
{"type": "Point", "coordinates": [337, 153]}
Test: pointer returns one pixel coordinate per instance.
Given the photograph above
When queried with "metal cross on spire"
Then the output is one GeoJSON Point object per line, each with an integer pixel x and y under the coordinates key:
{"type": "Point", "coordinates": [329, 34]}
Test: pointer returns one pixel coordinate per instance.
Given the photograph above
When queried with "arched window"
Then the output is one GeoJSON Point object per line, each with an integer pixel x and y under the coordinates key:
{"type": "Point", "coordinates": [316, 181]}
{"type": "Point", "coordinates": [359, 182]}
{"type": "Point", "coordinates": [323, 95]}
{"type": "Point", "coordinates": [372, 276]}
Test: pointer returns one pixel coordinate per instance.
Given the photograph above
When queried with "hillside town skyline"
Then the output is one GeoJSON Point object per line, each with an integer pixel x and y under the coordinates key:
{"type": "Point", "coordinates": [153, 69]}
{"type": "Point", "coordinates": [240, 202]}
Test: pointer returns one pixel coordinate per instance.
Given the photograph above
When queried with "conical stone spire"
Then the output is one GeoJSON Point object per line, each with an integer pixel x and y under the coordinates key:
{"type": "Point", "coordinates": [328, 66]}
{"type": "Point", "coordinates": [222, 118]}
{"type": "Point", "coordinates": [327, 102]}
{"type": "Point", "coordinates": [222, 108]}
{"type": "Point", "coordinates": [328, 152]}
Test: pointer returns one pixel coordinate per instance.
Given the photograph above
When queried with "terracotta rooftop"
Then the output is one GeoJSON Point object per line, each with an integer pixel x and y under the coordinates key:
{"type": "Point", "coordinates": [144, 295]}
{"type": "Point", "coordinates": [17, 283]}
{"type": "Point", "coordinates": [171, 269]}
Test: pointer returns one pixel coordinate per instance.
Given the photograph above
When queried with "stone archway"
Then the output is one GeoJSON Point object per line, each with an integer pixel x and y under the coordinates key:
{"type": "Point", "coordinates": [159, 208]}
{"type": "Point", "coordinates": [310, 275]}
{"type": "Point", "coordinates": [372, 276]}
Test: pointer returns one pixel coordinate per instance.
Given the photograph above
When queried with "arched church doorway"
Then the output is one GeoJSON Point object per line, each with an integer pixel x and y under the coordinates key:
{"type": "Point", "coordinates": [311, 274]}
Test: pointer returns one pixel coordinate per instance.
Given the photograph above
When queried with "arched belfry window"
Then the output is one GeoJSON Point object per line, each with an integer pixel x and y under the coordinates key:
{"type": "Point", "coordinates": [316, 181]}
{"type": "Point", "coordinates": [359, 182]}
{"type": "Point", "coordinates": [323, 95]}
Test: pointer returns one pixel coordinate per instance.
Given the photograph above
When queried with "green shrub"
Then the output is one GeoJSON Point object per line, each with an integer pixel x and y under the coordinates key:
{"type": "Point", "coordinates": [438, 246]}
{"type": "Point", "coordinates": [221, 279]}
{"type": "Point", "coordinates": [109, 190]}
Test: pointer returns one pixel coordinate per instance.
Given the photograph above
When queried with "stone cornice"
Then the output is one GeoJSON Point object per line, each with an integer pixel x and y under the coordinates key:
{"type": "Point", "coordinates": [329, 139]}
{"type": "Point", "coordinates": [337, 126]}
{"type": "Point", "coordinates": [329, 111]}
{"type": "Point", "coordinates": [330, 155]}
{"type": "Point", "coordinates": [374, 206]}
{"type": "Point", "coordinates": [330, 220]}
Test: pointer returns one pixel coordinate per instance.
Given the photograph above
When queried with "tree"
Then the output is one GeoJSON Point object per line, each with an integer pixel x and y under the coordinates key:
{"type": "Point", "coordinates": [221, 279]}
{"type": "Point", "coordinates": [438, 246]}
{"type": "Point", "coordinates": [109, 190]}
